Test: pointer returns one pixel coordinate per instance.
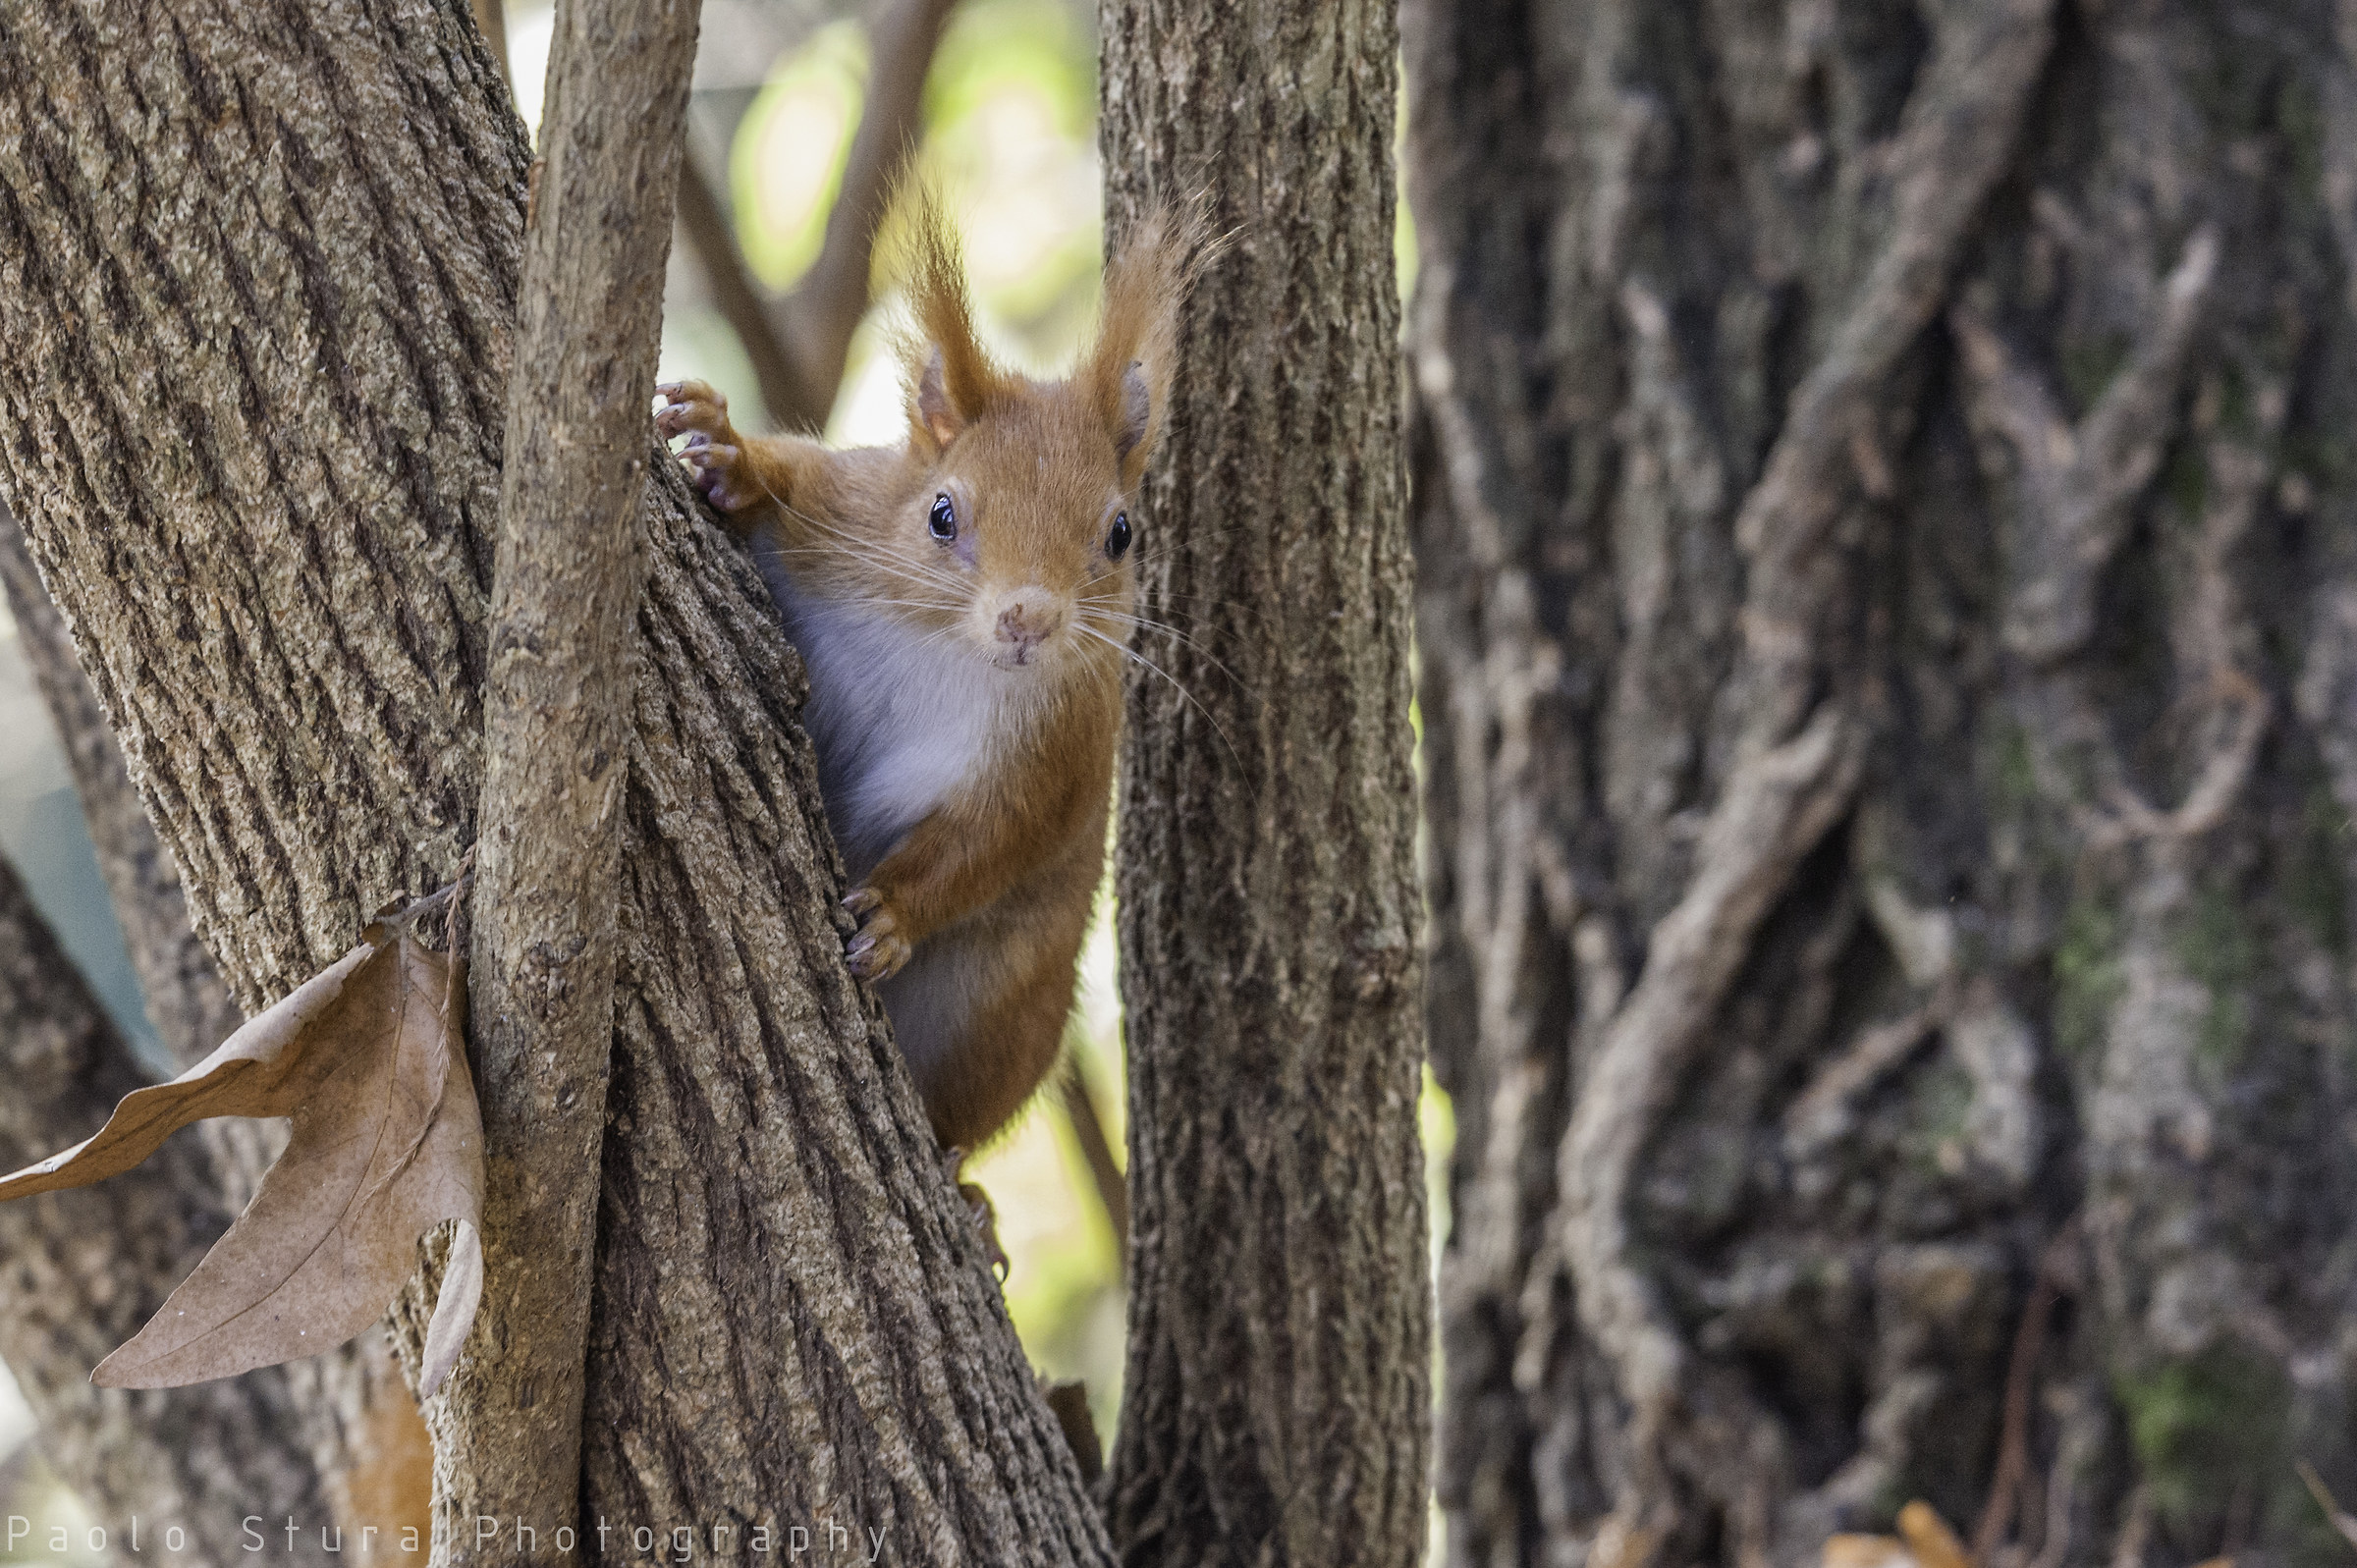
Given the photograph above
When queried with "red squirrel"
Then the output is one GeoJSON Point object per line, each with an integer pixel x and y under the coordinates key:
{"type": "Point", "coordinates": [963, 603]}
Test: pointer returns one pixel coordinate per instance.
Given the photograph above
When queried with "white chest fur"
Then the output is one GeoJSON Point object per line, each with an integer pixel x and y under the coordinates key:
{"type": "Point", "coordinates": [901, 718]}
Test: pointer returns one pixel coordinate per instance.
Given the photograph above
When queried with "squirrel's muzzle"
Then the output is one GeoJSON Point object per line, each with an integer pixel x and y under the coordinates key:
{"type": "Point", "coordinates": [1027, 619]}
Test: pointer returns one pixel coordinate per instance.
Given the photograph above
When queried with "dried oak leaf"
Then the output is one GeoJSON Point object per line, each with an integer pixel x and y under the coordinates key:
{"type": "Point", "coordinates": [368, 1059]}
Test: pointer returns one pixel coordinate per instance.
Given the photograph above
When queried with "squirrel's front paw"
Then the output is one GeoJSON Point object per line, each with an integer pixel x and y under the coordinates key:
{"type": "Point", "coordinates": [879, 951]}
{"type": "Point", "coordinates": [714, 454]}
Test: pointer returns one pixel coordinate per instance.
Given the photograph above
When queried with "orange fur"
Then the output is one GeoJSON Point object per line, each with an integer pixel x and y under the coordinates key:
{"type": "Point", "coordinates": [966, 692]}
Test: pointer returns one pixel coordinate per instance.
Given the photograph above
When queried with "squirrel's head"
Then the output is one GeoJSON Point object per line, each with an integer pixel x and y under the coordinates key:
{"type": "Point", "coordinates": [1023, 522]}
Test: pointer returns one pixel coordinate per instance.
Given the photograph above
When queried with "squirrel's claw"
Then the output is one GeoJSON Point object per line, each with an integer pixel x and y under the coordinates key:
{"type": "Point", "coordinates": [708, 469]}
{"type": "Point", "coordinates": [879, 951]}
{"type": "Point", "coordinates": [985, 1213]}
{"type": "Point", "coordinates": [986, 1221]}
{"type": "Point", "coordinates": [878, 957]}
{"type": "Point", "coordinates": [714, 455]}
{"type": "Point", "coordinates": [692, 405]}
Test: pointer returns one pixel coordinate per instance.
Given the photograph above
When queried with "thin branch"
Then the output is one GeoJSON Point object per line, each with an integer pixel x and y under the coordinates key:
{"type": "Point", "coordinates": [1080, 1098]}
{"type": "Point", "coordinates": [2325, 1499]}
{"type": "Point", "coordinates": [557, 744]}
{"type": "Point", "coordinates": [2014, 1445]}
{"type": "Point", "coordinates": [825, 308]}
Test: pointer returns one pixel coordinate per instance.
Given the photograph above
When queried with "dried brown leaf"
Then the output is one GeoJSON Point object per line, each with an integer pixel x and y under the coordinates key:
{"type": "Point", "coordinates": [1929, 1539]}
{"type": "Point", "coordinates": [386, 1144]}
{"type": "Point", "coordinates": [252, 1073]}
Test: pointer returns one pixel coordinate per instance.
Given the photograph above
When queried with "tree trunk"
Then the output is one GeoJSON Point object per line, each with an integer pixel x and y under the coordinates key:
{"type": "Point", "coordinates": [85, 1269]}
{"type": "Point", "coordinates": [186, 1003]}
{"type": "Point", "coordinates": [1888, 620]}
{"type": "Point", "coordinates": [258, 277]}
{"type": "Point", "coordinates": [1276, 1397]}
{"type": "Point", "coordinates": [356, 1427]}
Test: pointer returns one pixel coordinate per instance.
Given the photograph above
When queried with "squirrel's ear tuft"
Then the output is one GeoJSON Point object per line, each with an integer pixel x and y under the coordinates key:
{"type": "Point", "coordinates": [950, 379]}
{"type": "Point", "coordinates": [1128, 373]}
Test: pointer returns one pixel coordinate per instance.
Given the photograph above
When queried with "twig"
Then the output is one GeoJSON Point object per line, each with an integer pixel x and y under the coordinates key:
{"type": "Point", "coordinates": [2347, 1525]}
{"type": "Point", "coordinates": [557, 748]}
{"type": "Point", "coordinates": [1105, 1175]}
{"type": "Point", "coordinates": [825, 308]}
{"type": "Point", "coordinates": [402, 911]}
{"type": "Point", "coordinates": [2013, 1443]}
{"type": "Point", "coordinates": [2128, 1550]}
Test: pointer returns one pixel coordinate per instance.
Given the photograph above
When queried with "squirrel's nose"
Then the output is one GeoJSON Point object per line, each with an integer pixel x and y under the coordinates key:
{"type": "Point", "coordinates": [1026, 622]}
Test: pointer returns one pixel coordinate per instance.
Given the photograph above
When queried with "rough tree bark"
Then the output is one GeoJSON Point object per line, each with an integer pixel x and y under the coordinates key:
{"type": "Point", "coordinates": [189, 1008]}
{"type": "Point", "coordinates": [1277, 1398]}
{"type": "Point", "coordinates": [1888, 538]}
{"type": "Point", "coordinates": [255, 288]}
{"type": "Point", "coordinates": [83, 1270]}
{"type": "Point", "coordinates": [355, 1421]}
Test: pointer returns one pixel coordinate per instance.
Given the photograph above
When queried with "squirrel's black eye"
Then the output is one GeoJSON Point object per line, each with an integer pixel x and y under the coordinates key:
{"type": "Point", "coordinates": [1117, 539]}
{"type": "Point", "coordinates": [944, 520]}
